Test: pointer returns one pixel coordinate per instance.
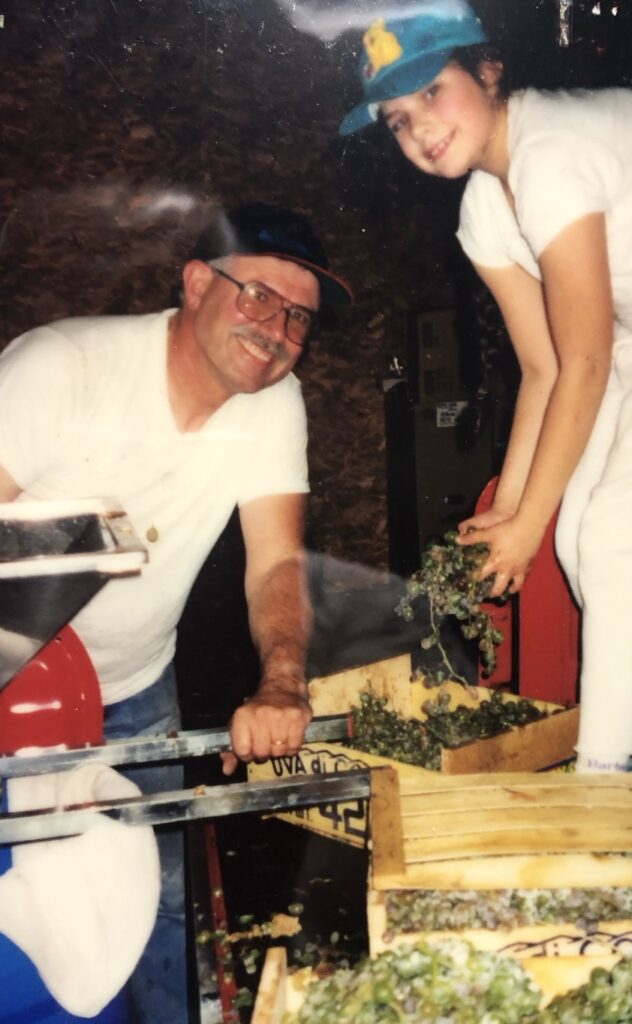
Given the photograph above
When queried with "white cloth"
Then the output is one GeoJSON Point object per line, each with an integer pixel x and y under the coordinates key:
{"type": "Point", "coordinates": [84, 412]}
{"type": "Point", "coordinates": [594, 545]}
{"type": "Point", "coordinates": [570, 155]}
{"type": "Point", "coordinates": [82, 909]}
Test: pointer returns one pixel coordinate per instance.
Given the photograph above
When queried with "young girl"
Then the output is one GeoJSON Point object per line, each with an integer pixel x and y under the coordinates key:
{"type": "Point", "coordinates": [546, 219]}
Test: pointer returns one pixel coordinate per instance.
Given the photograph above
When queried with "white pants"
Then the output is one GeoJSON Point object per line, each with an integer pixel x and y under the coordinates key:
{"type": "Point", "coordinates": [594, 544]}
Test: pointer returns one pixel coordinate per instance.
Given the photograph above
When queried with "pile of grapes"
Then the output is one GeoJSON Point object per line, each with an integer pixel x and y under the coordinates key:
{"type": "Point", "coordinates": [447, 982]}
{"type": "Point", "coordinates": [453, 983]}
{"type": "Point", "coordinates": [447, 578]}
{"type": "Point", "coordinates": [429, 910]}
{"type": "Point", "coordinates": [605, 999]}
{"type": "Point", "coordinates": [378, 730]}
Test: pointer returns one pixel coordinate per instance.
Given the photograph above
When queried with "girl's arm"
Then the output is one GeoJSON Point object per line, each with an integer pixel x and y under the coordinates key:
{"type": "Point", "coordinates": [578, 303]}
{"type": "Point", "coordinates": [521, 302]}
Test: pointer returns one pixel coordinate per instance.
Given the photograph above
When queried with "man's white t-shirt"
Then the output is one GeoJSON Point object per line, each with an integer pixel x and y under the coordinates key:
{"type": "Point", "coordinates": [84, 412]}
{"type": "Point", "coordinates": [570, 155]}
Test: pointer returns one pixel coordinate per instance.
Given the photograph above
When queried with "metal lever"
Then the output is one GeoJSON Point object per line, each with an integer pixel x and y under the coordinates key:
{"type": "Point", "coordinates": [188, 805]}
{"type": "Point", "coordinates": [148, 749]}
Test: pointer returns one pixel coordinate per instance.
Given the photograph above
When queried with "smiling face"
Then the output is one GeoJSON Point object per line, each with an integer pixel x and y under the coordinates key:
{"type": "Point", "coordinates": [454, 124]}
{"type": "Point", "coordinates": [233, 354]}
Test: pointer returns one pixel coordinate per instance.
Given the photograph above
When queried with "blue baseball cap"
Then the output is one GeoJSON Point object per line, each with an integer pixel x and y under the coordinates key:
{"type": "Point", "coordinates": [402, 54]}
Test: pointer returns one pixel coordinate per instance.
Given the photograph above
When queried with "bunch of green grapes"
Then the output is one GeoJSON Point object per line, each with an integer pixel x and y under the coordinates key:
{"type": "Point", "coordinates": [447, 578]}
{"type": "Point", "coordinates": [606, 998]}
{"type": "Point", "coordinates": [415, 910]}
{"type": "Point", "coordinates": [489, 718]}
{"type": "Point", "coordinates": [378, 730]}
{"type": "Point", "coordinates": [448, 982]}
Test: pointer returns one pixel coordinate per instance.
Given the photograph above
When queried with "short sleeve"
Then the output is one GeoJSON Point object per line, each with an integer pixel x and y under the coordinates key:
{"type": "Point", "coordinates": [278, 454]}
{"type": "Point", "coordinates": [557, 178]}
{"type": "Point", "coordinates": [484, 231]}
{"type": "Point", "coordinates": [37, 374]}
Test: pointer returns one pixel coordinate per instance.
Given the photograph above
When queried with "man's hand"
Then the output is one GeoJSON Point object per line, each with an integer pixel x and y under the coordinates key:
{"type": "Point", "coordinates": [269, 724]}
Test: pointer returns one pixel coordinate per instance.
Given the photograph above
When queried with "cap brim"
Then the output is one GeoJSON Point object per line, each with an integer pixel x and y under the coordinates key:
{"type": "Point", "coordinates": [356, 119]}
{"type": "Point", "coordinates": [334, 291]}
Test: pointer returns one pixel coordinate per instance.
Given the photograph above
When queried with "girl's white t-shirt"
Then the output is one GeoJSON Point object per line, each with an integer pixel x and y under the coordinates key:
{"type": "Point", "coordinates": [84, 412]}
{"type": "Point", "coordinates": [570, 155]}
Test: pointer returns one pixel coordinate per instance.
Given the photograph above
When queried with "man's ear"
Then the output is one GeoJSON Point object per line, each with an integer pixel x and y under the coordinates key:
{"type": "Point", "coordinates": [490, 73]}
{"type": "Point", "coordinates": [196, 277]}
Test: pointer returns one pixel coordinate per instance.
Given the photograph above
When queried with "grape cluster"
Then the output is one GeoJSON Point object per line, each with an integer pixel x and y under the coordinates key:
{"type": "Point", "coordinates": [447, 578]}
{"type": "Point", "coordinates": [378, 730]}
{"type": "Point", "coordinates": [489, 718]}
{"type": "Point", "coordinates": [606, 998]}
{"type": "Point", "coordinates": [449, 982]}
{"type": "Point", "coordinates": [428, 910]}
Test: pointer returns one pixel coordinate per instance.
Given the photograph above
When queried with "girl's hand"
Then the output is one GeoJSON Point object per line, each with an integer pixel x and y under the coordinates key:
{"type": "Point", "coordinates": [483, 520]}
{"type": "Point", "coordinates": [512, 547]}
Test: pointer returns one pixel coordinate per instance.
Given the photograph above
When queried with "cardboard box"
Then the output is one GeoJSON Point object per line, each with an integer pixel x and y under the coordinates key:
{"type": "Point", "coordinates": [527, 748]}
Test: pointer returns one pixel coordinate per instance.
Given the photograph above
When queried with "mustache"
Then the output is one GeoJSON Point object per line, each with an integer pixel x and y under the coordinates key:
{"type": "Point", "coordinates": [262, 341]}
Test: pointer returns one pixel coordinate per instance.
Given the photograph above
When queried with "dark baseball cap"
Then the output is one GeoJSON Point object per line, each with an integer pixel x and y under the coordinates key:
{"type": "Point", "coordinates": [260, 229]}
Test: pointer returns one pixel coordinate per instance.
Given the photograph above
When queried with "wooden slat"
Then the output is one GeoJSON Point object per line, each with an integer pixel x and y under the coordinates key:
{"type": "Point", "coordinates": [526, 871]}
{"type": "Point", "coordinates": [270, 1003]}
{"type": "Point", "coordinates": [434, 782]}
{"type": "Point", "coordinates": [462, 823]}
{"type": "Point", "coordinates": [533, 798]}
{"type": "Point", "coordinates": [447, 817]}
{"type": "Point", "coordinates": [527, 748]}
{"type": "Point", "coordinates": [386, 823]}
{"type": "Point", "coordinates": [518, 841]}
{"type": "Point", "coordinates": [391, 678]}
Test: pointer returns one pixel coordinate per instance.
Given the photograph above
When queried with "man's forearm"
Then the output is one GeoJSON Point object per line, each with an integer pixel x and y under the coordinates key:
{"type": "Point", "coordinates": [280, 617]}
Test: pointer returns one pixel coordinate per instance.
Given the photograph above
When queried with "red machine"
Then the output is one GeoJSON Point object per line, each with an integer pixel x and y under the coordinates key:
{"type": "Point", "coordinates": [55, 699]}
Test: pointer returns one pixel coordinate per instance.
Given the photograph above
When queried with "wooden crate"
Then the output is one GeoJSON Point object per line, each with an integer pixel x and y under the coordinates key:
{"type": "Point", "coordinates": [512, 830]}
{"type": "Point", "coordinates": [526, 748]}
{"type": "Point", "coordinates": [509, 831]}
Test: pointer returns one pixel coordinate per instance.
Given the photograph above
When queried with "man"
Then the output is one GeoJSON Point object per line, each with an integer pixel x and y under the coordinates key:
{"type": "Point", "coordinates": [181, 416]}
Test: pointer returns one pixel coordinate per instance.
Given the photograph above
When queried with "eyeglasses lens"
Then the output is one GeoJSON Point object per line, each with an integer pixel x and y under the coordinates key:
{"type": "Point", "coordinates": [260, 303]}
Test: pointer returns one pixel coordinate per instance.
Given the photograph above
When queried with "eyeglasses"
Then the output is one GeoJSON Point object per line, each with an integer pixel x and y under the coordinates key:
{"type": "Point", "coordinates": [260, 303]}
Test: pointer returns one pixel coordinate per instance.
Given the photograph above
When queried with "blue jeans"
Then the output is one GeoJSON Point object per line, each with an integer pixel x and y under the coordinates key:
{"type": "Point", "coordinates": [159, 983]}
